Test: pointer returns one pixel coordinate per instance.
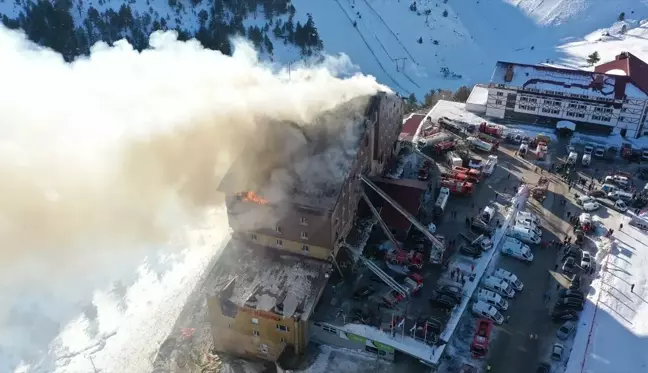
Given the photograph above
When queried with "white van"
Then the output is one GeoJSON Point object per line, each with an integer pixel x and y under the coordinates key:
{"type": "Point", "coordinates": [572, 158]}
{"type": "Point", "coordinates": [524, 234]}
{"type": "Point", "coordinates": [517, 249]}
{"type": "Point", "coordinates": [510, 278]}
{"type": "Point", "coordinates": [485, 310]}
{"type": "Point", "coordinates": [619, 194]}
{"type": "Point", "coordinates": [492, 298]}
{"type": "Point", "coordinates": [528, 224]}
{"type": "Point", "coordinates": [524, 215]}
{"type": "Point", "coordinates": [639, 222]}
{"type": "Point", "coordinates": [499, 286]}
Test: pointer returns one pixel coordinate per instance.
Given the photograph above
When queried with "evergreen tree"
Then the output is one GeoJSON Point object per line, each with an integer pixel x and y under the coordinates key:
{"type": "Point", "coordinates": [622, 16]}
{"type": "Point", "coordinates": [445, 13]}
{"type": "Point", "coordinates": [593, 58]}
{"type": "Point", "coordinates": [268, 44]}
{"type": "Point", "coordinates": [411, 103]}
{"type": "Point", "coordinates": [462, 94]}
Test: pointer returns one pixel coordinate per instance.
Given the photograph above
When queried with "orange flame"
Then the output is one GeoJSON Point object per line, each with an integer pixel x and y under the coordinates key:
{"type": "Point", "coordinates": [253, 197]}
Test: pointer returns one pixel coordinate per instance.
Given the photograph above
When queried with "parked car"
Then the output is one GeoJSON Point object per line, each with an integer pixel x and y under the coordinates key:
{"type": "Point", "coordinates": [568, 265]}
{"type": "Point", "coordinates": [573, 298]}
{"type": "Point", "coordinates": [557, 352]}
{"type": "Point", "coordinates": [564, 315]}
{"type": "Point", "coordinates": [571, 293]}
{"type": "Point", "coordinates": [543, 368]}
{"type": "Point", "coordinates": [569, 304]}
{"type": "Point", "coordinates": [451, 291]}
{"type": "Point", "coordinates": [591, 206]}
{"type": "Point", "coordinates": [597, 193]}
{"type": "Point", "coordinates": [586, 262]}
{"type": "Point", "coordinates": [443, 301]}
{"type": "Point", "coordinates": [584, 199]}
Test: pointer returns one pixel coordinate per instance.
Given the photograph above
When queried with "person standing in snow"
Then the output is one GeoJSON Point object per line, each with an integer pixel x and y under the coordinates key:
{"type": "Point", "coordinates": [632, 288]}
{"type": "Point", "coordinates": [620, 226]}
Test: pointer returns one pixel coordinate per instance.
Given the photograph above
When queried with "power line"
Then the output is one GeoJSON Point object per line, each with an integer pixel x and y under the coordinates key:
{"type": "Point", "coordinates": [391, 31]}
{"type": "Point", "coordinates": [371, 50]}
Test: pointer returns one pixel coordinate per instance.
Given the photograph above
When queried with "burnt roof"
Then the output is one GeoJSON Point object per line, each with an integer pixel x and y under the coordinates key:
{"type": "Point", "coordinates": [635, 69]}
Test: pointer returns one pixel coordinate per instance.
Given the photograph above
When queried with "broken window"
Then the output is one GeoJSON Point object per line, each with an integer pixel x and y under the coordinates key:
{"type": "Point", "coordinates": [253, 236]}
{"type": "Point", "coordinates": [255, 332]}
{"type": "Point", "coordinates": [279, 242]}
{"type": "Point", "coordinates": [305, 248]}
{"type": "Point", "coordinates": [255, 321]}
{"type": "Point", "coordinates": [282, 328]}
{"type": "Point", "coordinates": [303, 220]}
{"type": "Point", "coordinates": [304, 235]}
{"type": "Point", "coordinates": [278, 229]}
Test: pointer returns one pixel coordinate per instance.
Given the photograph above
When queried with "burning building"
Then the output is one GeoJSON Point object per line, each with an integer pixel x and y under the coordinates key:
{"type": "Point", "coordinates": [291, 200]}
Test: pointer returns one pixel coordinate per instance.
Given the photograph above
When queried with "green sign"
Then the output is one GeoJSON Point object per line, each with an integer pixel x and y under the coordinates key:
{"type": "Point", "coordinates": [356, 338]}
{"type": "Point", "coordinates": [383, 347]}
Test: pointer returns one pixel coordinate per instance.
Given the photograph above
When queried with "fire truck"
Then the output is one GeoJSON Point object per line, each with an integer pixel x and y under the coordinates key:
{"type": "Point", "coordinates": [479, 345]}
{"type": "Point", "coordinates": [469, 171]}
{"type": "Point", "coordinates": [411, 259]}
{"type": "Point", "coordinates": [461, 176]}
{"type": "Point", "coordinates": [491, 129]}
{"type": "Point", "coordinates": [457, 187]}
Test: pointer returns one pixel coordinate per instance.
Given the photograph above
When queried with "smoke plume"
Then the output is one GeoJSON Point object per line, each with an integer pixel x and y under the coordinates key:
{"type": "Point", "coordinates": [112, 145]}
{"type": "Point", "coordinates": [122, 147]}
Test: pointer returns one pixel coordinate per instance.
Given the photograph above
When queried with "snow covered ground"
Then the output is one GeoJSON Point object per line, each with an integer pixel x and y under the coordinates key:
{"type": "Point", "coordinates": [613, 332]}
{"type": "Point", "coordinates": [466, 37]}
{"type": "Point", "coordinates": [123, 323]}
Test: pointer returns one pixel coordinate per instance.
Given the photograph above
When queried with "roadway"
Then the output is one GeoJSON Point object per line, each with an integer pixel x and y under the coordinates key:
{"type": "Point", "coordinates": [513, 349]}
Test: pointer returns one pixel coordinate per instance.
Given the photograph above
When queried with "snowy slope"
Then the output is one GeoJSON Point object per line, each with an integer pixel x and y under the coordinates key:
{"type": "Point", "coordinates": [125, 322]}
{"type": "Point", "coordinates": [468, 41]}
{"type": "Point", "coordinates": [614, 336]}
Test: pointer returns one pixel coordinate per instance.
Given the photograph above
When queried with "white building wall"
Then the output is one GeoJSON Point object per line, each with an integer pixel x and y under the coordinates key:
{"type": "Point", "coordinates": [628, 117]}
{"type": "Point", "coordinates": [496, 102]}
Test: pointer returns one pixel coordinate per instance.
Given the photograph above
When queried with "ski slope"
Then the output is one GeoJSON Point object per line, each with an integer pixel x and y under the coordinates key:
{"type": "Point", "coordinates": [612, 336]}
{"type": "Point", "coordinates": [474, 35]}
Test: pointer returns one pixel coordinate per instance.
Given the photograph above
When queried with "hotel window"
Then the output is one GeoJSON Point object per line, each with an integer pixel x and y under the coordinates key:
{"type": "Point", "coordinates": [303, 220]}
{"type": "Point", "coordinates": [255, 332]}
{"type": "Point", "coordinates": [622, 119]}
{"type": "Point", "coordinates": [279, 243]}
{"type": "Point", "coordinates": [601, 118]}
{"type": "Point", "coordinates": [253, 236]}
{"type": "Point", "coordinates": [575, 115]}
{"type": "Point", "coordinates": [278, 229]}
{"type": "Point", "coordinates": [304, 235]}
{"type": "Point", "coordinates": [498, 102]}
{"type": "Point", "coordinates": [282, 328]}
{"type": "Point", "coordinates": [500, 94]}
{"type": "Point", "coordinates": [329, 329]}
{"type": "Point", "coordinates": [527, 107]}
{"type": "Point", "coordinates": [305, 248]}
{"type": "Point", "coordinates": [282, 340]}
{"type": "Point", "coordinates": [255, 321]}
{"type": "Point", "coordinates": [550, 111]}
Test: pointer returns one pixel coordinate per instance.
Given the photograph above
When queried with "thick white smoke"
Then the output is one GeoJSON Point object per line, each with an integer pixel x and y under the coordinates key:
{"type": "Point", "coordinates": [121, 149]}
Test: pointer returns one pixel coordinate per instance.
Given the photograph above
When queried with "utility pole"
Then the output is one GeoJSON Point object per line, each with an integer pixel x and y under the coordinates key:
{"type": "Point", "coordinates": [92, 363]}
{"type": "Point", "coordinates": [397, 60]}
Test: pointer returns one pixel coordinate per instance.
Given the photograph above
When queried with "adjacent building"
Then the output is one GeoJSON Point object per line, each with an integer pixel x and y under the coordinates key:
{"type": "Point", "coordinates": [284, 244]}
{"type": "Point", "coordinates": [612, 99]}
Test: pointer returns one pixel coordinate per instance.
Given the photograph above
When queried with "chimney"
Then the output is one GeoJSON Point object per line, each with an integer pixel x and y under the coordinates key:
{"type": "Point", "coordinates": [508, 77]}
{"type": "Point", "coordinates": [622, 56]}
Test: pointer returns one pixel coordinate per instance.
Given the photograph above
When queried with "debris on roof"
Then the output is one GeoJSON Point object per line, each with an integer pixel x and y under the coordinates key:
{"type": "Point", "coordinates": [267, 280]}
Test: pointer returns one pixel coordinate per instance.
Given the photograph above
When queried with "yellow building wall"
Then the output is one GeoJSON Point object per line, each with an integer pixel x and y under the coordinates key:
{"type": "Point", "coordinates": [295, 247]}
{"type": "Point", "coordinates": [236, 335]}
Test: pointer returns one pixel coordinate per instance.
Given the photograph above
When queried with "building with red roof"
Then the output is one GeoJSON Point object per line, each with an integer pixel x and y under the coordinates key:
{"type": "Point", "coordinates": [612, 99]}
